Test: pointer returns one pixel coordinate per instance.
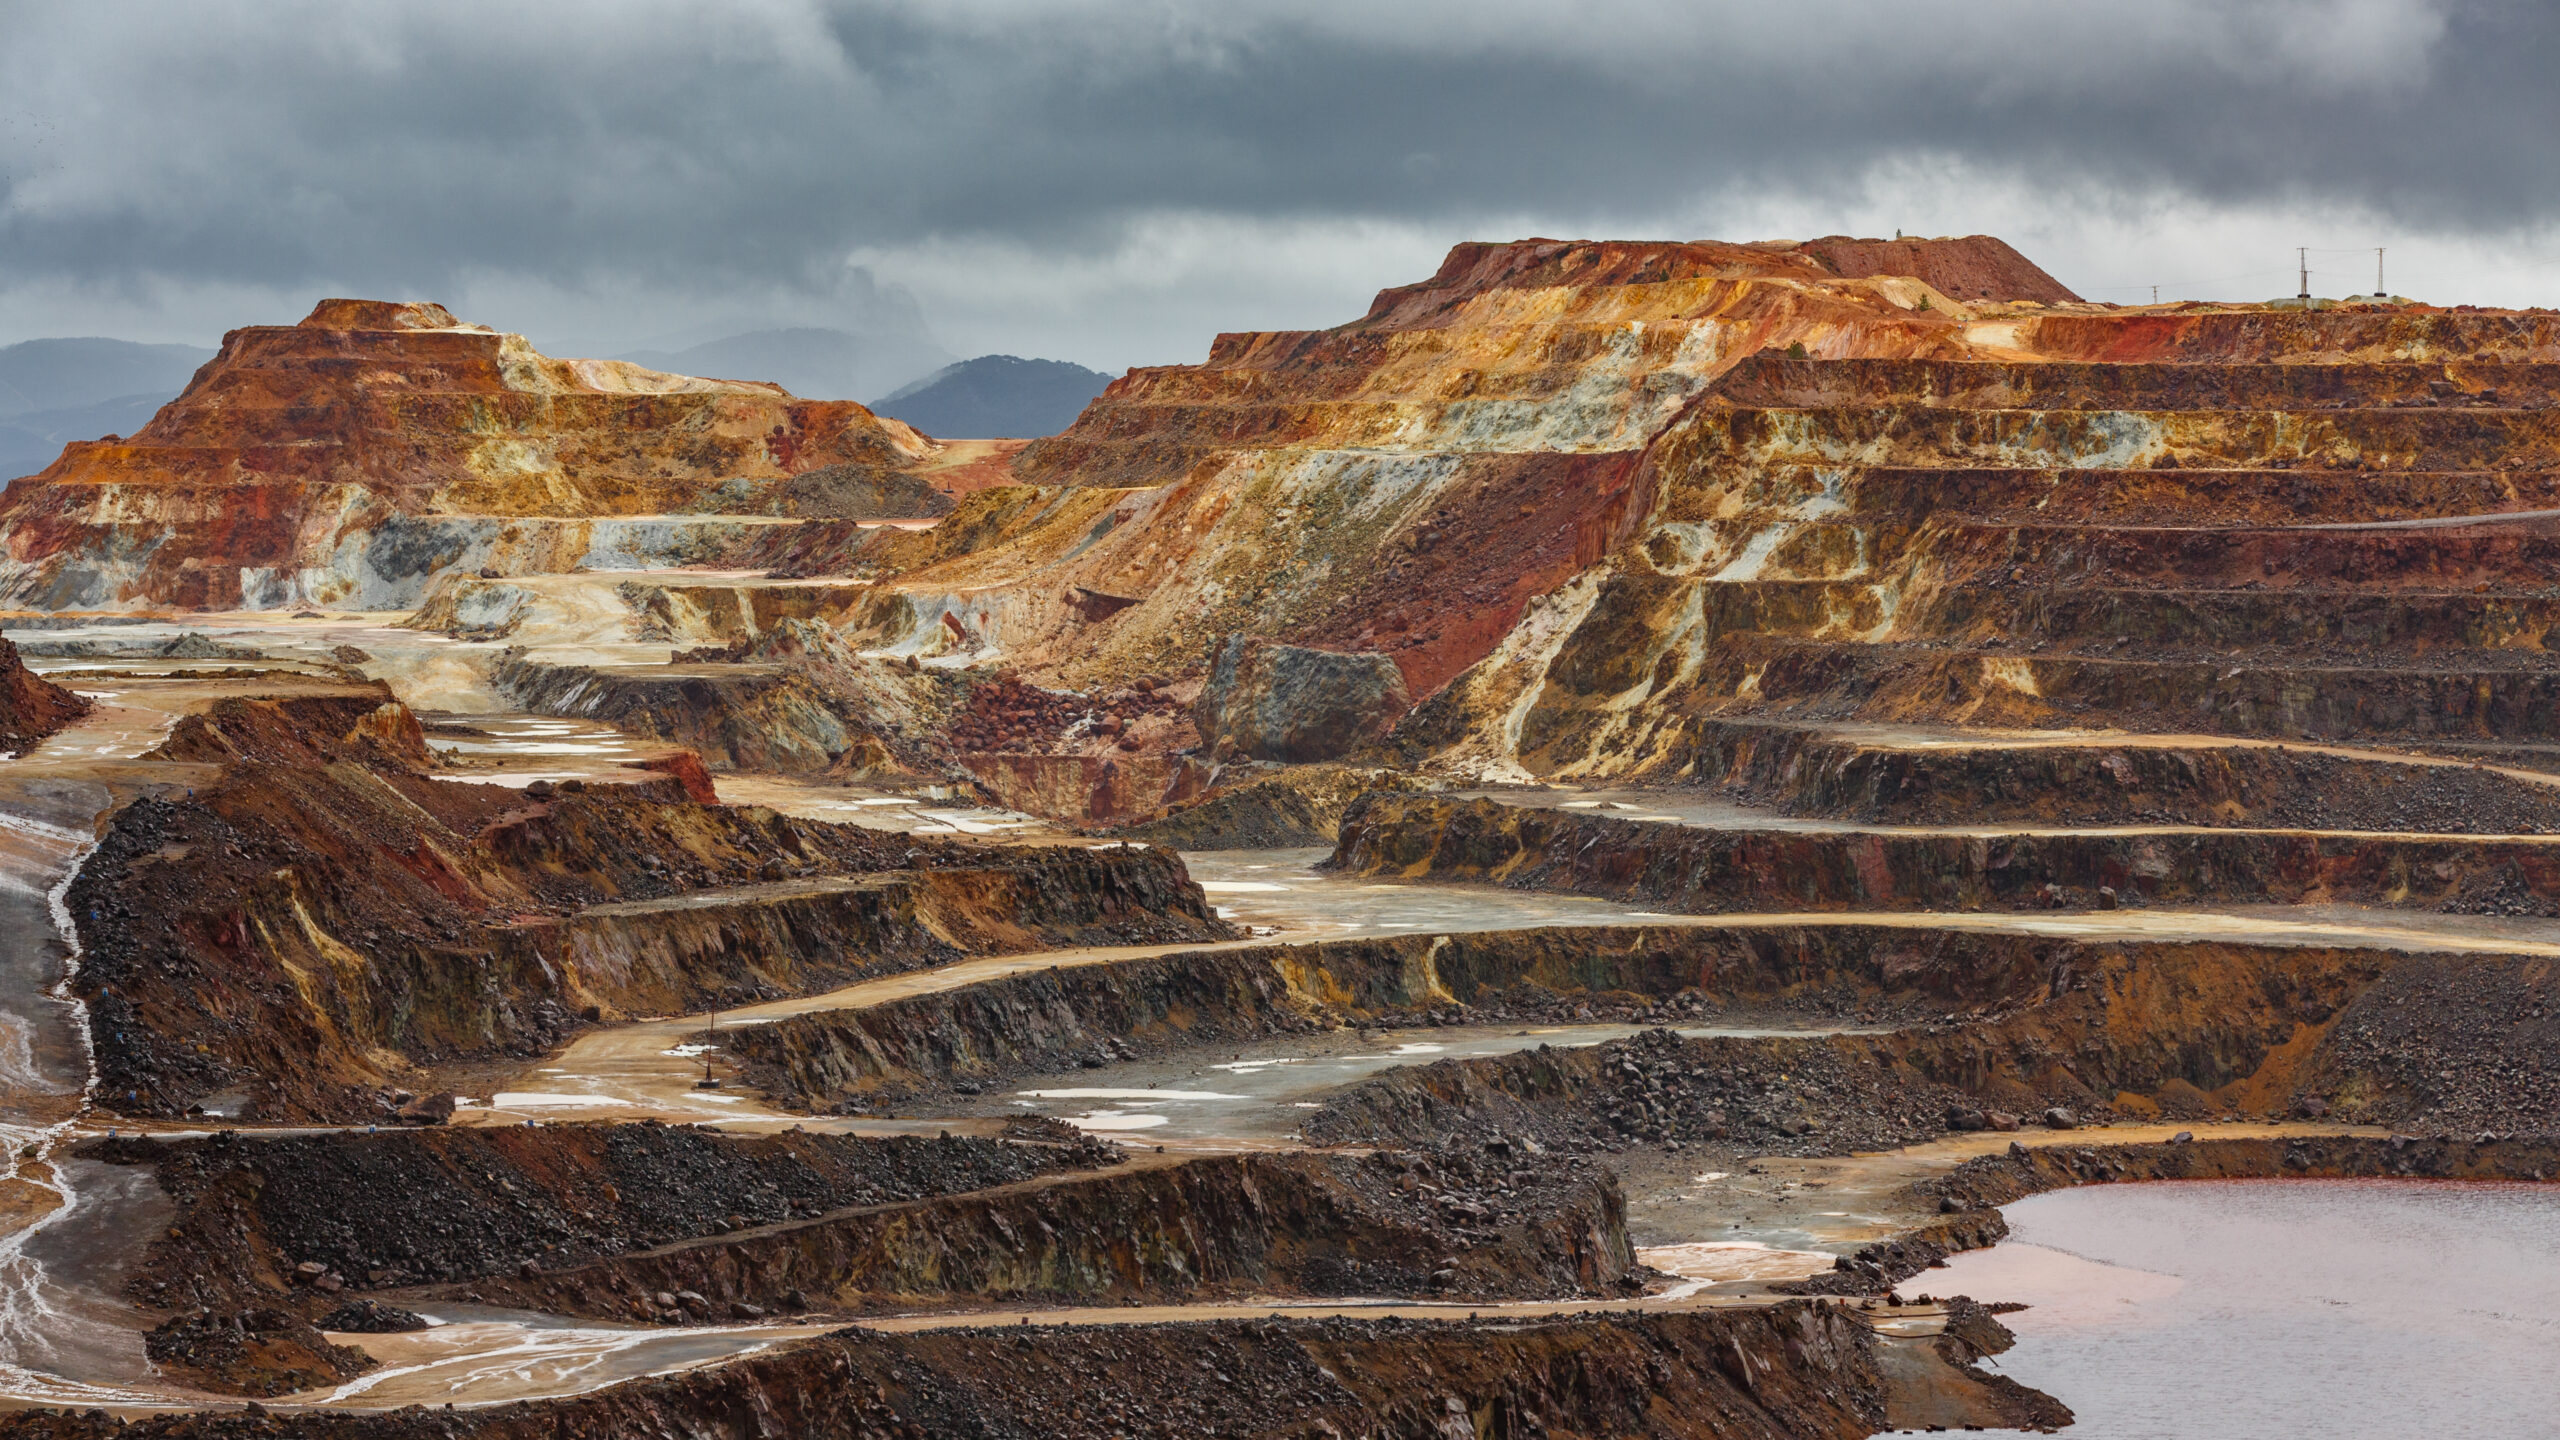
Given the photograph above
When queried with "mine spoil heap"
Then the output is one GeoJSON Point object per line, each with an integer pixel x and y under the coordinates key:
{"type": "Point", "coordinates": [2001, 716]}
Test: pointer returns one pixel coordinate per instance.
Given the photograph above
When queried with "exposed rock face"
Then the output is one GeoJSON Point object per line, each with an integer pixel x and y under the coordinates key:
{"type": "Point", "coordinates": [1294, 704]}
{"type": "Point", "coordinates": [1278, 809]}
{"type": "Point", "coordinates": [379, 1211]}
{"type": "Point", "coordinates": [292, 930]}
{"type": "Point", "coordinates": [1230, 1226]}
{"type": "Point", "coordinates": [2249, 524]}
{"type": "Point", "coordinates": [348, 459]}
{"type": "Point", "coordinates": [1708, 870]}
{"type": "Point", "coordinates": [30, 708]}
{"type": "Point", "coordinates": [2144, 1031]}
{"type": "Point", "coordinates": [1409, 484]}
{"type": "Point", "coordinates": [1810, 770]}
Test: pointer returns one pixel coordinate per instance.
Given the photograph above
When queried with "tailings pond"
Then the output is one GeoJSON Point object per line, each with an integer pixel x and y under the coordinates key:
{"type": "Point", "coordinates": [2238, 1310]}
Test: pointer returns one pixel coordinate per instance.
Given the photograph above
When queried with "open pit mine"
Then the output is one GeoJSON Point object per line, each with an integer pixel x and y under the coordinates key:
{"type": "Point", "coordinates": [1531, 864]}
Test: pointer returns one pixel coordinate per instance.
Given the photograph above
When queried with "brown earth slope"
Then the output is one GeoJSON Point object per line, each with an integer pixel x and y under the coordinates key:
{"type": "Point", "coordinates": [298, 932]}
{"type": "Point", "coordinates": [346, 459]}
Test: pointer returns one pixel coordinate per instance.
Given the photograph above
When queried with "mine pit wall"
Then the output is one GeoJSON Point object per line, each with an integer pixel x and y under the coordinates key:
{"type": "Point", "coordinates": [1228, 1226]}
{"type": "Point", "coordinates": [1800, 1370]}
{"type": "Point", "coordinates": [2459, 698]}
{"type": "Point", "coordinates": [31, 708]}
{"type": "Point", "coordinates": [405, 1207]}
{"type": "Point", "coordinates": [1707, 871]}
{"type": "Point", "coordinates": [2220, 1010]}
{"type": "Point", "coordinates": [737, 717]}
{"type": "Point", "coordinates": [1049, 1020]}
{"type": "Point", "coordinates": [2136, 1029]}
{"type": "Point", "coordinates": [295, 934]}
{"type": "Point", "coordinates": [1081, 788]}
{"type": "Point", "coordinates": [664, 608]}
{"type": "Point", "coordinates": [1804, 772]}
{"type": "Point", "coordinates": [380, 559]}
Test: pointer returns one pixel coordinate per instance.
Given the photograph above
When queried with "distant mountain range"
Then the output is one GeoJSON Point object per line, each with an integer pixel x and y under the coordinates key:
{"type": "Point", "coordinates": [813, 364]}
{"type": "Point", "coordinates": [55, 391]}
{"type": "Point", "coordinates": [995, 397]}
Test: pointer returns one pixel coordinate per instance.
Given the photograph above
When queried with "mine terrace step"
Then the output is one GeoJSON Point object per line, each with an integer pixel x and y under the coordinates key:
{"type": "Point", "coordinates": [1778, 382]}
{"type": "Point", "coordinates": [2168, 620]}
{"type": "Point", "coordinates": [2519, 551]}
{"type": "Point", "coordinates": [2143, 494]}
{"type": "Point", "coordinates": [1810, 867]}
{"type": "Point", "coordinates": [2381, 440]}
{"type": "Point", "coordinates": [1917, 776]}
{"type": "Point", "coordinates": [2478, 695]}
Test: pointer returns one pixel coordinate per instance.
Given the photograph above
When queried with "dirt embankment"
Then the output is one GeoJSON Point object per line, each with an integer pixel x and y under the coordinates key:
{"type": "Point", "coordinates": [1706, 871]}
{"type": "Point", "coordinates": [739, 717]}
{"type": "Point", "coordinates": [1807, 772]}
{"type": "Point", "coordinates": [274, 1241]}
{"type": "Point", "coordinates": [1055, 1019]}
{"type": "Point", "coordinates": [1795, 1371]}
{"type": "Point", "coordinates": [2178, 1030]}
{"type": "Point", "coordinates": [1297, 805]}
{"type": "Point", "coordinates": [1465, 1225]}
{"type": "Point", "coordinates": [289, 939]}
{"type": "Point", "coordinates": [410, 1207]}
{"type": "Point", "coordinates": [30, 708]}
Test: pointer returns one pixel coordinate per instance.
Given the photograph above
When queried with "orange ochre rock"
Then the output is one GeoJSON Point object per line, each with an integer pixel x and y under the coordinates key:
{"type": "Point", "coordinates": [347, 459]}
{"type": "Point", "coordinates": [1412, 483]}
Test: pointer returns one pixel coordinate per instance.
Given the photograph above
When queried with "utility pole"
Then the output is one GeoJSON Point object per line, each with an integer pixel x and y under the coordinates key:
{"type": "Point", "coordinates": [2302, 255]}
{"type": "Point", "coordinates": [2379, 291]}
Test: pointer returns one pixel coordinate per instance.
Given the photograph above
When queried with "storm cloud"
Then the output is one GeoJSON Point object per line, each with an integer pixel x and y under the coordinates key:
{"type": "Point", "coordinates": [1105, 181]}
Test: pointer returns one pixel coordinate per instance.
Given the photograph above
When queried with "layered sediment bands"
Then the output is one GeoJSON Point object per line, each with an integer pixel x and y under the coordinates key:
{"type": "Point", "coordinates": [2312, 524]}
{"type": "Point", "coordinates": [2183, 1030]}
{"type": "Point", "coordinates": [1299, 805]}
{"type": "Point", "coordinates": [736, 717]}
{"type": "Point", "coordinates": [1946, 779]}
{"type": "Point", "coordinates": [289, 938]}
{"type": "Point", "coordinates": [1408, 484]}
{"type": "Point", "coordinates": [788, 696]}
{"type": "Point", "coordinates": [602, 607]}
{"type": "Point", "coordinates": [410, 1207]}
{"type": "Point", "coordinates": [311, 463]}
{"type": "Point", "coordinates": [1786, 1372]}
{"type": "Point", "coordinates": [1706, 871]}
{"type": "Point", "coordinates": [1285, 1224]}
{"type": "Point", "coordinates": [1050, 1020]}
{"type": "Point", "coordinates": [2438, 696]}
{"type": "Point", "coordinates": [30, 708]}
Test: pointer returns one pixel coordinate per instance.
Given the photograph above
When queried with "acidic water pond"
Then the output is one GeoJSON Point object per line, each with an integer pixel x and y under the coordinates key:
{"type": "Point", "coordinates": [2241, 1310]}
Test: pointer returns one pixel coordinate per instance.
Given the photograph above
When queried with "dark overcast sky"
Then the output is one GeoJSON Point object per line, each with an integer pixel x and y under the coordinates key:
{"type": "Point", "coordinates": [1111, 183]}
